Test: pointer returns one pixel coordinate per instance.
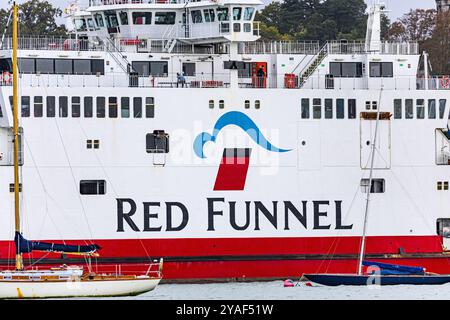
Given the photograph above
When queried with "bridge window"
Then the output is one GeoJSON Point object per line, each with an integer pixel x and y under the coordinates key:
{"type": "Point", "coordinates": [80, 25]}
{"type": "Point", "coordinates": [111, 19]}
{"type": "Point", "coordinates": [340, 108]}
{"type": "Point", "coordinates": [352, 108]}
{"type": "Point", "coordinates": [420, 108]}
{"type": "Point", "coordinates": [248, 13]}
{"type": "Point", "coordinates": [377, 186]}
{"type": "Point", "coordinates": [25, 106]}
{"type": "Point", "coordinates": [317, 108]}
{"type": "Point", "coordinates": [82, 66]}
{"type": "Point", "coordinates": [149, 107]}
{"type": "Point", "coordinates": [237, 13]}
{"type": "Point", "coordinates": [305, 108]}
{"type": "Point", "coordinates": [381, 69]}
{"type": "Point", "coordinates": [442, 104]}
{"type": "Point", "coordinates": [125, 107]}
{"type": "Point", "coordinates": [101, 105]}
{"type": "Point", "coordinates": [45, 66]}
{"type": "Point", "coordinates": [154, 68]}
{"type": "Point", "coordinates": [76, 107]}
{"type": "Point", "coordinates": [63, 66]}
{"type": "Point", "coordinates": [431, 109]}
{"type": "Point", "coordinates": [91, 25]}
{"type": "Point", "coordinates": [140, 18]}
{"type": "Point", "coordinates": [123, 18]}
{"type": "Point", "coordinates": [99, 20]}
{"type": "Point", "coordinates": [51, 107]}
{"type": "Point", "coordinates": [409, 109]}
{"type": "Point", "coordinates": [346, 69]}
{"type": "Point", "coordinates": [222, 14]}
{"type": "Point", "coordinates": [196, 16]}
{"type": "Point", "coordinates": [165, 18]}
{"type": "Point", "coordinates": [27, 65]}
{"type": "Point", "coordinates": [88, 107]}
{"type": "Point", "coordinates": [63, 107]}
{"type": "Point", "coordinates": [137, 107]}
{"type": "Point", "coordinates": [92, 187]}
{"type": "Point", "coordinates": [157, 142]}
{"type": "Point", "coordinates": [328, 108]}
{"type": "Point", "coordinates": [397, 108]}
{"type": "Point", "coordinates": [210, 15]}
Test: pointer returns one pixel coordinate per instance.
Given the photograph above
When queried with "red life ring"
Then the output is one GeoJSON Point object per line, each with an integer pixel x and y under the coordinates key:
{"type": "Point", "coordinates": [6, 78]}
{"type": "Point", "coordinates": [445, 82]}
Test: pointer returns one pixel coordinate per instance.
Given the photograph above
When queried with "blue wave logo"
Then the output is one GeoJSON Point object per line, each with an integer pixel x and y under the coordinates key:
{"type": "Point", "coordinates": [240, 120]}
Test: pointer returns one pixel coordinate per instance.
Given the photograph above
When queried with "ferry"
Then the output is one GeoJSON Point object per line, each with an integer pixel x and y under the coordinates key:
{"type": "Point", "coordinates": [166, 129]}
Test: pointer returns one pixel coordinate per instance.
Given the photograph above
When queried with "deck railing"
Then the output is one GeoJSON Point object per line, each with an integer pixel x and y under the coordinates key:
{"type": "Point", "coordinates": [114, 2]}
{"type": "Point", "coordinates": [394, 48]}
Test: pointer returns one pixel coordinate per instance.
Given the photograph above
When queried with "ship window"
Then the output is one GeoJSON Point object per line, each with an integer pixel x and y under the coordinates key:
{"type": "Point", "coordinates": [381, 69]}
{"type": "Point", "coordinates": [81, 66]}
{"type": "Point", "coordinates": [443, 227]}
{"type": "Point", "coordinates": [111, 19]}
{"type": "Point", "coordinates": [377, 185]}
{"type": "Point", "coordinates": [439, 185]}
{"type": "Point", "coordinates": [11, 187]}
{"type": "Point", "coordinates": [221, 104]}
{"type": "Point", "coordinates": [196, 16]}
{"type": "Point", "coordinates": [328, 108]}
{"type": "Point", "coordinates": [90, 24]}
{"type": "Point", "coordinates": [352, 108]}
{"type": "Point", "coordinates": [88, 107]}
{"type": "Point", "coordinates": [25, 106]}
{"type": "Point", "coordinates": [247, 104]}
{"type": "Point", "coordinates": [1, 112]}
{"type": "Point", "coordinates": [257, 104]}
{"type": "Point", "coordinates": [27, 65]}
{"type": "Point", "coordinates": [431, 109]}
{"type": "Point", "coordinates": [209, 14]}
{"type": "Point", "coordinates": [149, 107]}
{"type": "Point", "coordinates": [340, 107]}
{"type": "Point", "coordinates": [236, 27]}
{"type": "Point", "coordinates": [224, 27]}
{"type": "Point", "coordinates": [165, 18]}
{"type": "Point", "coordinates": [125, 107]}
{"type": "Point", "coordinates": [346, 69]}
{"type": "Point", "coordinates": [142, 18]}
{"type": "Point", "coordinates": [98, 66]}
{"type": "Point", "coordinates": [211, 104]}
{"type": "Point", "coordinates": [317, 108]}
{"type": "Point", "coordinates": [237, 13]}
{"type": "Point", "coordinates": [189, 69]}
{"type": "Point", "coordinates": [248, 13]}
{"type": "Point", "coordinates": [222, 14]}
{"type": "Point", "coordinates": [367, 105]}
{"type": "Point", "coordinates": [45, 66]}
{"type": "Point", "coordinates": [409, 109]}
{"type": "Point", "coordinates": [101, 105]}
{"type": "Point", "coordinates": [38, 107]}
{"type": "Point", "coordinates": [99, 20]}
{"type": "Point", "coordinates": [63, 66]}
{"type": "Point", "coordinates": [420, 108]}
{"type": "Point", "coordinates": [305, 108]}
{"type": "Point", "coordinates": [374, 105]}
{"type": "Point", "coordinates": [51, 107]}
{"type": "Point", "coordinates": [96, 144]}
{"type": "Point", "coordinates": [112, 107]}
{"type": "Point", "coordinates": [157, 142]}
{"type": "Point", "coordinates": [76, 107]}
{"type": "Point", "coordinates": [80, 24]}
{"type": "Point", "coordinates": [442, 103]}
{"type": "Point", "coordinates": [6, 65]}
{"type": "Point", "coordinates": [92, 187]}
{"type": "Point", "coordinates": [159, 68]}
{"type": "Point", "coordinates": [247, 27]}
{"type": "Point", "coordinates": [123, 18]}
{"type": "Point", "coordinates": [137, 107]}
{"type": "Point", "coordinates": [397, 108]}
{"type": "Point", "coordinates": [142, 68]}
{"type": "Point", "coordinates": [63, 107]}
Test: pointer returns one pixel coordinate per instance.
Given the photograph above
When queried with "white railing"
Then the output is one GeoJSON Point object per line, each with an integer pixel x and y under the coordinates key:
{"type": "Point", "coordinates": [394, 48]}
{"type": "Point", "coordinates": [115, 2]}
{"type": "Point", "coordinates": [279, 47]}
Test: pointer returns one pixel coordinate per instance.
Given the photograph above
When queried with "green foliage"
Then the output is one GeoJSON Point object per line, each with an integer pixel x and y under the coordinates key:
{"type": "Point", "coordinates": [36, 18]}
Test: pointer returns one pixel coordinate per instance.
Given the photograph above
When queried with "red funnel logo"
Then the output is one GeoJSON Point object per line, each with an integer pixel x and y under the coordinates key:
{"type": "Point", "coordinates": [233, 170]}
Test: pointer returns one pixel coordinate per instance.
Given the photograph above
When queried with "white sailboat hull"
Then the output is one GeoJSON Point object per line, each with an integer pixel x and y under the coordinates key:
{"type": "Point", "coordinates": [94, 288]}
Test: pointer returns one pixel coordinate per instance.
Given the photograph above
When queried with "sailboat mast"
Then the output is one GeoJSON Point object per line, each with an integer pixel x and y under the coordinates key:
{"type": "Point", "coordinates": [19, 262]}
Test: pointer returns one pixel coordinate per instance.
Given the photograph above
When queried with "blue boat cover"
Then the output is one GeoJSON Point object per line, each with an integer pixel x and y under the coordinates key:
{"type": "Point", "coordinates": [395, 269]}
{"type": "Point", "coordinates": [25, 246]}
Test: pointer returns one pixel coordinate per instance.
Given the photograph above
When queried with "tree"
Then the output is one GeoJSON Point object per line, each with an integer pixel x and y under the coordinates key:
{"type": "Point", "coordinates": [438, 46]}
{"type": "Point", "coordinates": [417, 25]}
{"type": "Point", "coordinates": [36, 18]}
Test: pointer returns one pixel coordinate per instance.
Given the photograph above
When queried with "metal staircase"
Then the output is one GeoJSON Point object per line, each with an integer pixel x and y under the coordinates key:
{"type": "Point", "coordinates": [169, 45]}
{"type": "Point", "coordinates": [314, 63]}
{"type": "Point", "coordinates": [118, 57]}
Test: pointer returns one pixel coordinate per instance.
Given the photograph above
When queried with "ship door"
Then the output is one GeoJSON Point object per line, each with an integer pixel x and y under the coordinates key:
{"type": "Point", "coordinates": [7, 147]}
{"type": "Point", "coordinates": [309, 145]}
{"type": "Point", "coordinates": [368, 123]}
{"type": "Point", "coordinates": [204, 70]}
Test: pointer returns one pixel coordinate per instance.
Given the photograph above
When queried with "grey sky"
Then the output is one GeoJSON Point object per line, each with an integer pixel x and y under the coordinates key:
{"type": "Point", "coordinates": [397, 7]}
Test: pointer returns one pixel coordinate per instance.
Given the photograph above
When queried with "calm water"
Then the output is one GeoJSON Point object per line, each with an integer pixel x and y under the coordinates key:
{"type": "Point", "coordinates": [275, 291]}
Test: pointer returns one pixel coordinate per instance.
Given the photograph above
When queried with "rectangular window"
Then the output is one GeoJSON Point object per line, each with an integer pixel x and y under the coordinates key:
{"type": "Point", "coordinates": [142, 68]}
{"type": "Point", "coordinates": [159, 68]}
{"type": "Point", "coordinates": [375, 69]}
{"type": "Point", "coordinates": [157, 142]}
{"type": "Point", "coordinates": [248, 13]}
{"type": "Point", "coordinates": [317, 108]}
{"type": "Point", "coordinates": [328, 108]}
{"type": "Point", "coordinates": [340, 108]}
{"type": "Point", "coordinates": [99, 20]}
{"type": "Point", "coordinates": [76, 107]}
{"type": "Point", "coordinates": [189, 69]}
{"type": "Point", "coordinates": [305, 108]}
{"type": "Point", "coordinates": [63, 107]}
{"type": "Point", "coordinates": [101, 105]}
{"type": "Point", "coordinates": [351, 69]}
{"type": "Point", "coordinates": [222, 14]}
{"type": "Point", "coordinates": [335, 69]}
{"type": "Point", "coordinates": [123, 15]}
{"type": "Point", "coordinates": [88, 107]}
{"type": "Point", "coordinates": [45, 66]}
{"type": "Point", "coordinates": [142, 18]}
{"type": "Point", "coordinates": [420, 108]}
{"type": "Point", "coordinates": [63, 66]}
{"type": "Point", "coordinates": [381, 69]}
{"type": "Point", "coordinates": [377, 186]}
{"type": "Point", "coordinates": [149, 107]}
{"type": "Point", "coordinates": [112, 107]}
{"type": "Point", "coordinates": [196, 16]}
{"type": "Point", "coordinates": [209, 15]}
{"type": "Point", "coordinates": [25, 106]}
{"type": "Point", "coordinates": [125, 107]}
{"type": "Point", "coordinates": [27, 65]}
{"type": "Point", "coordinates": [92, 187]}
{"type": "Point", "coordinates": [431, 109]}
{"type": "Point", "coordinates": [165, 18]}
{"type": "Point", "coordinates": [38, 107]}
{"type": "Point", "coordinates": [409, 109]}
{"type": "Point", "coordinates": [82, 66]}
{"type": "Point", "coordinates": [51, 107]}
{"type": "Point", "coordinates": [442, 103]}
{"type": "Point", "coordinates": [98, 66]}
{"type": "Point", "coordinates": [352, 108]}
{"type": "Point", "coordinates": [397, 108]}
{"type": "Point", "coordinates": [137, 107]}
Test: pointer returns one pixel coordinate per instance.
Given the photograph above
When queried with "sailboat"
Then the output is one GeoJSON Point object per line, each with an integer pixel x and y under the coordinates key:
{"type": "Point", "coordinates": [379, 273]}
{"type": "Point", "coordinates": [64, 281]}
